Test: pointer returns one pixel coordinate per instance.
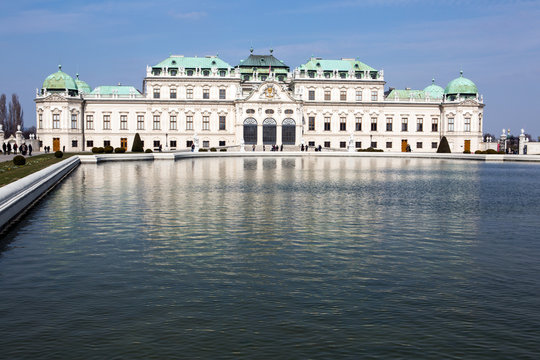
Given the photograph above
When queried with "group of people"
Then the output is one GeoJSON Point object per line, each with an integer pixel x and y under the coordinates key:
{"type": "Point", "coordinates": [23, 149]}
{"type": "Point", "coordinates": [280, 148]}
{"type": "Point", "coordinates": [47, 149]}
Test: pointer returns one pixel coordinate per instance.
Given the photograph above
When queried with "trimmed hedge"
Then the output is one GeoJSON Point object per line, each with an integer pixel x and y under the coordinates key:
{"type": "Point", "coordinates": [108, 149]}
{"type": "Point", "coordinates": [58, 154]}
{"type": "Point", "coordinates": [488, 152]}
{"type": "Point", "coordinates": [148, 151]}
{"type": "Point", "coordinates": [203, 150]}
{"type": "Point", "coordinates": [370, 149]}
{"type": "Point", "coordinates": [222, 150]}
{"type": "Point", "coordinates": [213, 149]}
{"type": "Point", "coordinates": [19, 160]}
{"type": "Point", "coordinates": [119, 150]}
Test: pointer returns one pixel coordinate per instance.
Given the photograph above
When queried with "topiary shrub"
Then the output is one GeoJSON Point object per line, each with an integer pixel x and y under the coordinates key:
{"type": "Point", "coordinates": [490, 151]}
{"type": "Point", "coordinates": [213, 149]}
{"type": "Point", "coordinates": [222, 149]}
{"type": "Point", "coordinates": [19, 160]}
{"type": "Point", "coordinates": [58, 154]}
{"type": "Point", "coordinates": [108, 149]}
{"type": "Point", "coordinates": [137, 144]}
{"type": "Point", "coordinates": [203, 150]}
{"type": "Point", "coordinates": [100, 150]}
{"type": "Point", "coordinates": [443, 146]}
{"type": "Point", "coordinates": [148, 151]}
{"type": "Point", "coordinates": [479, 152]}
{"type": "Point", "coordinates": [119, 150]}
{"type": "Point", "coordinates": [95, 150]}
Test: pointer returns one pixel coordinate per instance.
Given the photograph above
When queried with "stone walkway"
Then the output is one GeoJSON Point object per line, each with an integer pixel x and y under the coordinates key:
{"type": "Point", "coordinates": [10, 157]}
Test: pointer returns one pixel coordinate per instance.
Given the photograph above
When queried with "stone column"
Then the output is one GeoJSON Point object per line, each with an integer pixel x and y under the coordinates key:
{"type": "Point", "coordinates": [279, 137]}
{"type": "Point", "coordinates": [19, 135]}
{"type": "Point", "coordinates": [522, 142]}
{"type": "Point", "coordinates": [259, 134]}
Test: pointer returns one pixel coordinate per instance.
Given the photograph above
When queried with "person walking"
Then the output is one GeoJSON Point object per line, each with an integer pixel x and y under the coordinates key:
{"type": "Point", "coordinates": [9, 148]}
{"type": "Point", "coordinates": [4, 148]}
{"type": "Point", "coordinates": [15, 148]}
{"type": "Point", "coordinates": [29, 149]}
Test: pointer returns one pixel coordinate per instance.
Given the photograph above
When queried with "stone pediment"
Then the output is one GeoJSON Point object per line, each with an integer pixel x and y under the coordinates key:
{"type": "Point", "coordinates": [270, 91]}
{"type": "Point", "coordinates": [53, 98]}
{"type": "Point", "coordinates": [470, 102]}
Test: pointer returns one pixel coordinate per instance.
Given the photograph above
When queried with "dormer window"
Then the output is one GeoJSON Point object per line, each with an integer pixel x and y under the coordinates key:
{"type": "Point", "coordinates": [343, 75]}
{"type": "Point", "coordinates": [222, 73]}
{"type": "Point", "coordinates": [190, 73]}
{"type": "Point", "coordinates": [156, 72]}
{"type": "Point", "coordinates": [269, 111]}
{"type": "Point", "coordinates": [213, 62]}
{"type": "Point", "coordinates": [173, 72]}
{"type": "Point", "coordinates": [250, 111]}
{"type": "Point", "coordinates": [206, 72]}
{"type": "Point", "coordinates": [263, 77]}
{"type": "Point", "coordinates": [311, 74]}
{"type": "Point", "coordinates": [173, 62]}
{"type": "Point", "coordinates": [281, 78]}
{"type": "Point", "coordinates": [288, 111]}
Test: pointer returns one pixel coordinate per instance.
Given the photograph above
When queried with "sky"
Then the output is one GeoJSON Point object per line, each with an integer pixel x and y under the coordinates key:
{"type": "Point", "coordinates": [496, 43]}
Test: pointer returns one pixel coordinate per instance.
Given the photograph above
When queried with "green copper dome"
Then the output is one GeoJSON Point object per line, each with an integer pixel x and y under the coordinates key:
{"type": "Point", "coordinates": [434, 91]}
{"type": "Point", "coordinates": [59, 81]}
{"type": "Point", "coordinates": [83, 86]}
{"type": "Point", "coordinates": [462, 86]}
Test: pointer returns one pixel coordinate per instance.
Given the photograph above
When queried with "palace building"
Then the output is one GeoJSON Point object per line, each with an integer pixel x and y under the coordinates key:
{"type": "Point", "coordinates": [260, 101]}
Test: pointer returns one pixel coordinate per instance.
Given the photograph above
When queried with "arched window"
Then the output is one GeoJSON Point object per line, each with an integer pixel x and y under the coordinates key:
{"type": "Point", "coordinates": [288, 132]}
{"type": "Point", "coordinates": [250, 131]}
{"type": "Point", "coordinates": [269, 131]}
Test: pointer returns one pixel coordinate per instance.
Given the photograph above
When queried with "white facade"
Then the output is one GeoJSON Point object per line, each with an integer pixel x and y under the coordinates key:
{"type": "Point", "coordinates": [214, 105]}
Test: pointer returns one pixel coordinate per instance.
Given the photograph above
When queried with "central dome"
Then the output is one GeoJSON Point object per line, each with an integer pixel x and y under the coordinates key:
{"type": "Point", "coordinates": [461, 86]}
{"type": "Point", "coordinates": [59, 81]}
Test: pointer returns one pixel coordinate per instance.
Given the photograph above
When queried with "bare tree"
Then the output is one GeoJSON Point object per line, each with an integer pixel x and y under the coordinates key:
{"type": "Point", "coordinates": [27, 131]}
{"type": "Point", "coordinates": [14, 116]}
{"type": "Point", "coordinates": [3, 110]}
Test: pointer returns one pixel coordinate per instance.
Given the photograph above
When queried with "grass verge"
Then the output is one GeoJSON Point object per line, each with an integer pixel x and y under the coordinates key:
{"type": "Point", "coordinates": [10, 172]}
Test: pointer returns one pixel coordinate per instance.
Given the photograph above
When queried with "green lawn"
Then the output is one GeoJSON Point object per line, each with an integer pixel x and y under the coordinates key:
{"type": "Point", "coordinates": [10, 172]}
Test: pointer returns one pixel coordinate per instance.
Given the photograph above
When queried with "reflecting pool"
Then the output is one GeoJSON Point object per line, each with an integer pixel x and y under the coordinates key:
{"type": "Point", "coordinates": [278, 258]}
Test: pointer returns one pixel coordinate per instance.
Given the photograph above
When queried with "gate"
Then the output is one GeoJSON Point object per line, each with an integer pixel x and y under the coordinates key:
{"type": "Point", "coordinates": [288, 132]}
{"type": "Point", "coordinates": [269, 131]}
{"type": "Point", "coordinates": [250, 131]}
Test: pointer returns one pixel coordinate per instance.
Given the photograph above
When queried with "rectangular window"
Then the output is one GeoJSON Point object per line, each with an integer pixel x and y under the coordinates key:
{"type": "Point", "coordinates": [140, 122]}
{"type": "Point", "coordinates": [173, 93]}
{"type": "Point", "coordinates": [73, 121]}
{"type": "Point", "coordinates": [373, 124]}
{"type": "Point", "coordinates": [404, 124]}
{"type": "Point", "coordinates": [327, 144]}
{"type": "Point", "coordinates": [89, 143]}
{"type": "Point", "coordinates": [467, 127]}
{"type": "Point", "coordinates": [311, 143]}
{"type": "Point", "coordinates": [450, 124]}
{"type": "Point", "coordinates": [222, 120]}
{"type": "Point", "coordinates": [434, 125]}
{"type": "Point", "coordinates": [89, 122]}
{"type": "Point", "coordinates": [189, 122]}
{"type": "Point", "coordinates": [173, 124]}
{"type": "Point", "coordinates": [206, 123]}
{"type": "Point", "coordinates": [311, 123]}
{"type": "Point", "coordinates": [374, 144]}
{"type": "Point", "coordinates": [106, 122]}
{"type": "Point", "coordinates": [156, 93]}
{"type": "Point", "coordinates": [388, 144]}
{"type": "Point", "coordinates": [157, 123]}
{"type": "Point", "coordinates": [326, 124]}
{"type": "Point", "coordinates": [156, 144]}
{"type": "Point", "coordinates": [419, 124]}
{"type": "Point", "coordinates": [419, 145]}
{"type": "Point", "coordinates": [343, 95]}
{"type": "Point", "coordinates": [342, 144]}
{"type": "Point", "coordinates": [189, 143]}
{"type": "Point", "coordinates": [221, 143]}
{"type": "Point", "coordinates": [358, 124]}
{"type": "Point", "coordinates": [206, 144]}
{"type": "Point", "coordinates": [173, 144]}
{"type": "Point", "coordinates": [374, 95]}
{"type": "Point", "coordinates": [343, 124]}
{"type": "Point", "coordinates": [123, 122]}
{"type": "Point", "coordinates": [56, 121]}
{"type": "Point", "coordinates": [206, 94]}
{"type": "Point", "coordinates": [327, 95]}
{"type": "Point", "coordinates": [389, 123]}
{"type": "Point", "coordinates": [434, 145]}
{"type": "Point", "coordinates": [222, 94]}
{"type": "Point", "coordinates": [106, 143]}
{"type": "Point", "coordinates": [358, 144]}
{"type": "Point", "coordinates": [311, 95]}
{"type": "Point", "coordinates": [189, 93]}
{"type": "Point", "coordinates": [358, 95]}
{"type": "Point", "coordinates": [74, 143]}
{"type": "Point", "coordinates": [40, 123]}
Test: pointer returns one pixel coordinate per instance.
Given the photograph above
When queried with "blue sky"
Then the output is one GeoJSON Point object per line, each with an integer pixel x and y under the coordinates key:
{"type": "Point", "coordinates": [496, 43]}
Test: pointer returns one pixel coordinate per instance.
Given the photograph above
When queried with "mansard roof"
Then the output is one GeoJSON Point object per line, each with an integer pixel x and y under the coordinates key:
{"type": "Point", "coordinates": [406, 94]}
{"type": "Point", "coordinates": [187, 62]}
{"type": "Point", "coordinates": [262, 61]}
{"type": "Point", "coordinates": [331, 65]}
{"type": "Point", "coordinates": [116, 90]}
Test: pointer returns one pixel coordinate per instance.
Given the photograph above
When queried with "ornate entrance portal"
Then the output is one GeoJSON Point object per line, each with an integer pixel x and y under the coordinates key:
{"type": "Point", "coordinates": [269, 131]}
{"type": "Point", "coordinates": [288, 132]}
{"type": "Point", "coordinates": [250, 131]}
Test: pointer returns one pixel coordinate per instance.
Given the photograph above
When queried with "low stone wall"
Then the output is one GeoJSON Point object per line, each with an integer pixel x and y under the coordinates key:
{"type": "Point", "coordinates": [17, 197]}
